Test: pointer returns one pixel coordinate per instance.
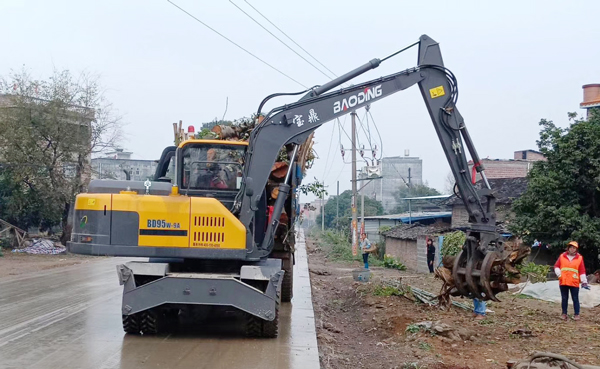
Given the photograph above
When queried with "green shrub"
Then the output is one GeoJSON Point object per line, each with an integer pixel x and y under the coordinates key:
{"type": "Point", "coordinates": [535, 272]}
{"type": "Point", "coordinates": [392, 263]}
{"type": "Point", "coordinates": [453, 243]}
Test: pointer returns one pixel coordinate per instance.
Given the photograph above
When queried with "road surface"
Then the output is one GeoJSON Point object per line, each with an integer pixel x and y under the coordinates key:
{"type": "Point", "coordinates": [69, 318]}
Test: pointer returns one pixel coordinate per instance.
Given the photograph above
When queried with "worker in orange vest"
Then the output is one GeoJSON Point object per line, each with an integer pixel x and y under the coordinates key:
{"type": "Point", "coordinates": [570, 271]}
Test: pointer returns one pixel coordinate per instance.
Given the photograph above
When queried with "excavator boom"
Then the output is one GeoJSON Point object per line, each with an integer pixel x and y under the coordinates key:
{"type": "Point", "coordinates": [293, 123]}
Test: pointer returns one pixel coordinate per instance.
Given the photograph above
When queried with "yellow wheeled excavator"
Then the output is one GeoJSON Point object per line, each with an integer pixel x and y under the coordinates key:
{"type": "Point", "coordinates": [207, 227]}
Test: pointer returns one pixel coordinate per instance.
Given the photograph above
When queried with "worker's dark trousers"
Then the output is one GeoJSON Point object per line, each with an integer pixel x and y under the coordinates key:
{"type": "Point", "coordinates": [430, 263]}
{"type": "Point", "coordinates": [366, 260]}
{"type": "Point", "coordinates": [564, 293]}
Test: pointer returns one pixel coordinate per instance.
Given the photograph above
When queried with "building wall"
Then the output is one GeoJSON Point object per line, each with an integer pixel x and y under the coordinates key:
{"type": "Point", "coordinates": [422, 252]}
{"type": "Point", "coordinates": [413, 253]}
{"type": "Point", "coordinates": [394, 171]}
{"type": "Point", "coordinates": [403, 250]}
{"type": "Point", "coordinates": [460, 217]}
{"type": "Point", "coordinates": [372, 227]}
{"type": "Point", "coordinates": [529, 155]}
{"type": "Point", "coordinates": [107, 168]}
{"type": "Point", "coordinates": [506, 168]}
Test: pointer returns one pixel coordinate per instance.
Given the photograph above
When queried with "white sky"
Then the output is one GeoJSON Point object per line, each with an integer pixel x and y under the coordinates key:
{"type": "Point", "coordinates": [516, 62]}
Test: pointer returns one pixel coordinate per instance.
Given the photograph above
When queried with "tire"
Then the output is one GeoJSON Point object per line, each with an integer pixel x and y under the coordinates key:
{"type": "Point", "coordinates": [271, 329]}
{"type": "Point", "coordinates": [287, 285]}
{"type": "Point", "coordinates": [131, 324]}
{"type": "Point", "coordinates": [253, 326]}
{"type": "Point", "coordinates": [149, 322]}
{"type": "Point", "coordinates": [257, 327]}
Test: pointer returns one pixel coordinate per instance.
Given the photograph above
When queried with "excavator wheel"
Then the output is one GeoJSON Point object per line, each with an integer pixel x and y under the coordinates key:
{"type": "Point", "coordinates": [149, 322]}
{"type": "Point", "coordinates": [131, 324]}
{"type": "Point", "coordinates": [287, 285]}
{"type": "Point", "coordinates": [260, 328]}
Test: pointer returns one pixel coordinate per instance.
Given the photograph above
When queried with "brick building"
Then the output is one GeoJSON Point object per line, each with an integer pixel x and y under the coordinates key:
{"type": "Point", "coordinates": [506, 190]}
{"type": "Point", "coordinates": [591, 97]}
{"type": "Point", "coordinates": [511, 168]}
{"type": "Point", "coordinates": [407, 243]}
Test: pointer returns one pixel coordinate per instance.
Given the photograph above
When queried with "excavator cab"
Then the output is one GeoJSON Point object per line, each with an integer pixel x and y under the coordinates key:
{"type": "Point", "coordinates": [204, 168]}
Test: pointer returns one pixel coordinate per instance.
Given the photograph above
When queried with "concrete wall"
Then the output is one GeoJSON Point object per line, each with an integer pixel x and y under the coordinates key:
{"type": "Point", "coordinates": [403, 250]}
{"type": "Point", "coordinates": [413, 253]}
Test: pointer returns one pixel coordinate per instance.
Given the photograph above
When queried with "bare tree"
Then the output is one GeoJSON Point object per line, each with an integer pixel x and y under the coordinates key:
{"type": "Point", "coordinates": [449, 183]}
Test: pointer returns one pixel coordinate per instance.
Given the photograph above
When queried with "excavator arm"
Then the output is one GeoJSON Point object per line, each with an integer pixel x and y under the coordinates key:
{"type": "Point", "coordinates": [291, 125]}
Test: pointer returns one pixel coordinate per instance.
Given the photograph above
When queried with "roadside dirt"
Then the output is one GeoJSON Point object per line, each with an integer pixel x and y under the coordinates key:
{"type": "Point", "coordinates": [14, 264]}
{"type": "Point", "coordinates": [356, 329]}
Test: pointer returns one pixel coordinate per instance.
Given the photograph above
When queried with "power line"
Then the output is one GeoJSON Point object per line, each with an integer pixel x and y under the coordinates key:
{"type": "Point", "coordinates": [328, 151]}
{"type": "Point", "coordinates": [365, 132]}
{"type": "Point", "coordinates": [240, 47]}
{"type": "Point", "coordinates": [280, 40]}
{"type": "Point", "coordinates": [377, 129]}
{"type": "Point", "coordinates": [279, 29]}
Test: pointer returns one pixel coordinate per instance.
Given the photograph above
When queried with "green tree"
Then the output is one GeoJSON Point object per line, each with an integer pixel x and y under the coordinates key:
{"type": "Point", "coordinates": [49, 129]}
{"type": "Point", "coordinates": [372, 207]}
{"type": "Point", "coordinates": [415, 190]}
{"type": "Point", "coordinates": [562, 201]}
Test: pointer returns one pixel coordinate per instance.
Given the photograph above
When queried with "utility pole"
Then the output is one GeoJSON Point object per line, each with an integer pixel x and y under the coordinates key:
{"type": "Point", "coordinates": [354, 194]}
{"type": "Point", "coordinates": [362, 212]}
{"type": "Point", "coordinates": [337, 205]}
{"type": "Point", "coordinates": [322, 211]}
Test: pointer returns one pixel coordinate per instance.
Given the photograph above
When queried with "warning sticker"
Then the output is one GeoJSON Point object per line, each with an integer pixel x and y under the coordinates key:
{"type": "Point", "coordinates": [437, 92]}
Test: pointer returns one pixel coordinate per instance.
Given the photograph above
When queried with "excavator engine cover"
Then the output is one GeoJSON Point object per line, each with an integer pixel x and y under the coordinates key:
{"type": "Point", "coordinates": [128, 224]}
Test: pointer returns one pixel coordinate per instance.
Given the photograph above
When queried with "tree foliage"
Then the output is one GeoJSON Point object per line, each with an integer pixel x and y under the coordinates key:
{"type": "Point", "coordinates": [562, 201]}
{"type": "Point", "coordinates": [372, 207]}
{"type": "Point", "coordinates": [49, 129]}
{"type": "Point", "coordinates": [415, 190]}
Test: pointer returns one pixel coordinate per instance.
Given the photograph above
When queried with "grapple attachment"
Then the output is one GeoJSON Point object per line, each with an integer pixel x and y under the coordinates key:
{"type": "Point", "coordinates": [479, 269]}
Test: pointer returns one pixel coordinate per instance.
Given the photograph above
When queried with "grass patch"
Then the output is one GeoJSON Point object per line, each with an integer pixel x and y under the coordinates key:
{"type": "Point", "coordinates": [524, 297]}
{"type": "Point", "coordinates": [411, 366]}
{"type": "Point", "coordinates": [387, 291]}
{"type": "Point", "coordinates": [424, 346]}
{"type": "Point", "coordinates": [336, 247]}
{"type": "Point", "coordinates": [486, 322]}
{"type": "Point", "coordinates": [413, 328]}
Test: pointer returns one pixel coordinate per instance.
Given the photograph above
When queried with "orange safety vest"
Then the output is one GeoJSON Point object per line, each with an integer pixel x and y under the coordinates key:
{"type": "Point", "coordinates": [569, 270]}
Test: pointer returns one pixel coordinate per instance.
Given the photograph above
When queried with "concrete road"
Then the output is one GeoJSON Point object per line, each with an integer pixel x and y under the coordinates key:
{"type": "Point", "coordinates": [70, 318]}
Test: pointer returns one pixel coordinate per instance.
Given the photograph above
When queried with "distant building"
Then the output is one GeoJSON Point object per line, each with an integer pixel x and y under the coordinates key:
{"type": "Point", "coordinates": [119, 165]}
{"type": "Point", "coordinates": [591, 97]}
{"type": "Point", "coordinates": [506, 191]}
{"type": "Point", "coordinates": [311, 212]}
{"type": "Point", "coordinates": [396, 171]}
{"type": "Point", "coordinates": [511, 168]}
{"type": "Point", "coordinates": [408, 243]}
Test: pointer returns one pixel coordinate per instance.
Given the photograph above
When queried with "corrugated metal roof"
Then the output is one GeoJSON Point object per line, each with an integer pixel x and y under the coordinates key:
{"type": "Point", "coordinates": [404, 217]}
{"type": "Point", "coordinates": [412, 231]}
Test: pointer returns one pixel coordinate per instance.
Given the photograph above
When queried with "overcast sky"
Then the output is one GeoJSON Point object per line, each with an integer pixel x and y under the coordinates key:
{"type": "Point", "coordinates": [516, 62]}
